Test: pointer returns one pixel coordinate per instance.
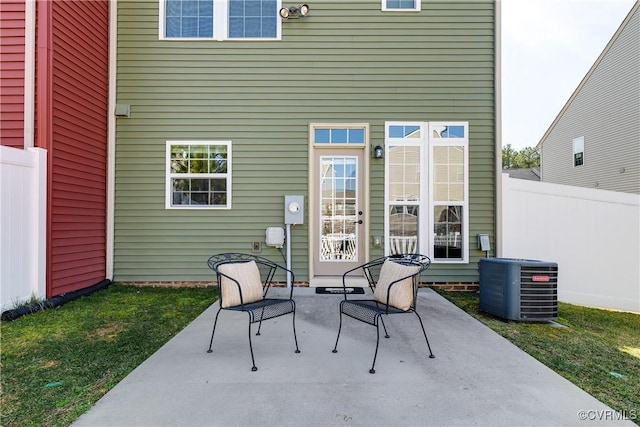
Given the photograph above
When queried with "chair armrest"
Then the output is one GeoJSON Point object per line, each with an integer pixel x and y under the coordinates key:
{"type": "Point", "coordinates": [344, 280]}
{"type": "Point", "coordinates": [417, 260]}
{"type": "Point", "coordinates": [266, 267]}
{"type": "Point", "coordinates": [269, 280]}
{"type": "Point", "coordinates": [233, 280]}
{"type": "Point", "coordinates": [413, 278]}
{"type": "Point", "coordinates": [366, 271]}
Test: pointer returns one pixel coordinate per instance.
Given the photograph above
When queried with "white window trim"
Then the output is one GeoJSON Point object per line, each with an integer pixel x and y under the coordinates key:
{"type": "Point", "coordinates": [220, 24]}
{"type": "Point", "coordinates": [427, 204]}
{"type": "Point", "coordinates": [168, 175]}
{"type": "Point", "coordinates": [388, 9]}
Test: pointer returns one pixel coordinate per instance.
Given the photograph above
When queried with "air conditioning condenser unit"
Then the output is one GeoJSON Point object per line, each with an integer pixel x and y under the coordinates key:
{"type": "Point", "coordinates": [519, 289]}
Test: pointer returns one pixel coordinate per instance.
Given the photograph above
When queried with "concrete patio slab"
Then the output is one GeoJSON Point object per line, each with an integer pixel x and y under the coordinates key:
{"type": "Point", "coordinates": [477, 378]}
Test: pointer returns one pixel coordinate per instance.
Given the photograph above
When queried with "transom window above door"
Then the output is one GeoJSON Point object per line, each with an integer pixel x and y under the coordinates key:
{"type": "Point", "coordinates": [220, 19]}
{"type": "Point", "coordinates": [339, 135]}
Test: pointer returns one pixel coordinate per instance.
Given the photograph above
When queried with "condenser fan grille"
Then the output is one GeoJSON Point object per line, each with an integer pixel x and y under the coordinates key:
{"type": "Point", "coordinates": [538, 292]}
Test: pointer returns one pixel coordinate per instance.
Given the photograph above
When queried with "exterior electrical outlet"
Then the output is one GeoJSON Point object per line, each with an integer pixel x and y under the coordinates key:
{"type": "Point", "coordinates": [483, 242]}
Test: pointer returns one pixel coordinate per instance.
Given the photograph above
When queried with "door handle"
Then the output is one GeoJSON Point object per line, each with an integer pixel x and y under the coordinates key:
{"type": "Point", "coordinates": [358, 221]}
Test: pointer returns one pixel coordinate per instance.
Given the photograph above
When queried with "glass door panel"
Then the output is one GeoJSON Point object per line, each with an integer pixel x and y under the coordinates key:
{"type": "Point", "coordinates": [339, 209]}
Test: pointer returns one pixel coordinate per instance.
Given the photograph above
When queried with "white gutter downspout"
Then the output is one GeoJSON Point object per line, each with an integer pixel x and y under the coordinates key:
{"type": "Point", "coordinates": [498, 123]}
{"type": "Point", "coordinates": [111, 137]}
{"type": "Point", "coordinates": [37, 222]}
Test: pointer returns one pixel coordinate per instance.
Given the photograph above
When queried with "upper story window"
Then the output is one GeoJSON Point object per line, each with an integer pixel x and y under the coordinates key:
{"type": "Point", "coordinates": [220, 19]}
{"type": "Point", "coordinates": [401, 5]}
{"type": "Point", "coordinates": [578, 151]}
{"type": "Point", "coordinates": [198, 175]}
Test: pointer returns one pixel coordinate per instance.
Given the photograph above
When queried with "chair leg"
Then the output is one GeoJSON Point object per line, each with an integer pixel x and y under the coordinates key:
{"type": "Point", "coordinates": [431, 356]}
{"type": "Point", "coordinates": [215, 322]}
{"type": "Point", "coordinates": [375, 355]}
{"type": "Point", "coordinates": [253, 368]}
{"type": "Point", "coordinates": [335, 348]}
{"type": "Point", "coordinates": [260, 324]}
{"type": "Point", "coordinates": [386, 334]}
{"type": "Point", "coordinates": [295, 338]}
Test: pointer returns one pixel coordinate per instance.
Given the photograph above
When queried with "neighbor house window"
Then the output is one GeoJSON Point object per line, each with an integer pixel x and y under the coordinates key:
{"type": "Point", "coordinates": [198, 175]}
{"type": "Point", "coordinates": [220, 19]}
{"type": "Point", "coordinates": [578, 151]}
{"type": "Point", "coordinates": [426, 189]}
{"type": "Point", "coordinates": [401, 5]}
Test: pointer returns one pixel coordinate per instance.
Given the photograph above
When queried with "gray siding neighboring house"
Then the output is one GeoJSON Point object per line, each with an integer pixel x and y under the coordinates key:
{"type": "Point", "coordinates": [301, 114]}
{"type": "Point", "coordinates": [595, 139]}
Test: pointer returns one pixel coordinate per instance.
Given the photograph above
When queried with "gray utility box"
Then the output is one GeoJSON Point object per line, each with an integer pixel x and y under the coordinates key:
{"type": "Point", "coordinates": [519, 289]}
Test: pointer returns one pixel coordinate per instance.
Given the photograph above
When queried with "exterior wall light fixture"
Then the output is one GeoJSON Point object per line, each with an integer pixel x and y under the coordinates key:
{"type": "Point", "coordinates": [378, 152]}
{"type": "Point", "coordinates": [294, 11]}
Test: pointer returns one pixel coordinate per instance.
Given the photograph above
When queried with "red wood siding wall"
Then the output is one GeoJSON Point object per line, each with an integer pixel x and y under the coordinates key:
{"type": "Point", "coordinates": [78, 148]}
{"type": "Point", "coordinates": [12, 31]}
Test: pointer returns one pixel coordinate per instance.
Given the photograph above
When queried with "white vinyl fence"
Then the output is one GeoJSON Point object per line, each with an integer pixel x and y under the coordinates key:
{"type": "Point", "coordinates": [22, 225]}
{"type": "Point", "coordinates": [593, 235]}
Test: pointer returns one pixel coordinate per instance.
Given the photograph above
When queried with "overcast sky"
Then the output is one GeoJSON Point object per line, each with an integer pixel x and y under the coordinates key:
{"type": "Point", "coordinates": [547, 48]}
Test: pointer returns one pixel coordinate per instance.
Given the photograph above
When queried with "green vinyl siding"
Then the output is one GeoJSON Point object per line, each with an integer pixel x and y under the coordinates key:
{"type": "Point", "coordinates": [347, 62]}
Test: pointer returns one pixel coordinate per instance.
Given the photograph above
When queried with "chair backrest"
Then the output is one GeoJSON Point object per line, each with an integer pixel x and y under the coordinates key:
{"type": "Point", "coordinates": [372, 269]}
{"type": "Point", "coordinates": [266, 267]}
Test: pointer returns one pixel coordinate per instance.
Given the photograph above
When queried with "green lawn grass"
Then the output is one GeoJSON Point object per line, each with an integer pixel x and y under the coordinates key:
{"type": "Point", "coordinates": [597, 350]}
{"type": "Point", "coordinates": [57, 363]}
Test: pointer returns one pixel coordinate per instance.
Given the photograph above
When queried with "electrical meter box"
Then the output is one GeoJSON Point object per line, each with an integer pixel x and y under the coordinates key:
{"type": "Point", "coordinates": [294, 210]}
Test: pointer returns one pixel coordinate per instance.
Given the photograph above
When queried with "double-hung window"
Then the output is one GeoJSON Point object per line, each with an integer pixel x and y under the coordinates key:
{"type": "Point", "coordinates": [220, 19]}
{"type": "Point", "coordinates": [426, 189]}
{"type": "Point", "coordinates": [449, 194]}
{"type": "Point", "coordinates": [405, 189]}
{"type": "Point", "coordinates": [198, 175]}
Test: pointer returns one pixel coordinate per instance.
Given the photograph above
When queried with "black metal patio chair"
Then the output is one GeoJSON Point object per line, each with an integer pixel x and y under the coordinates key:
{"type": "Point", "coordinates": [394, 281]}
{"type": "Point", "coordinates": [243, 281]}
